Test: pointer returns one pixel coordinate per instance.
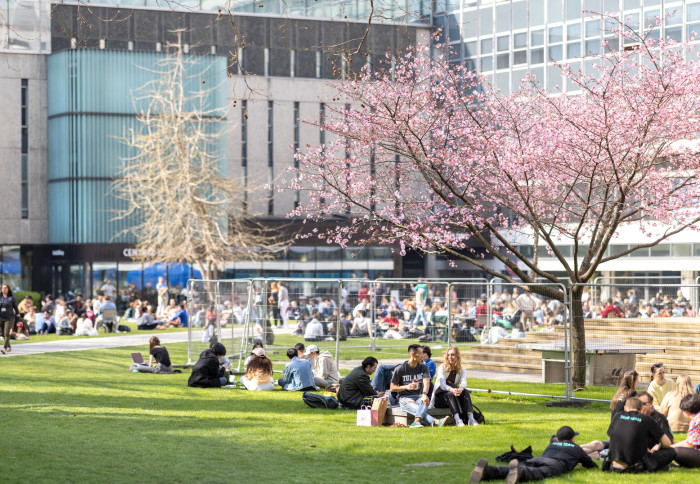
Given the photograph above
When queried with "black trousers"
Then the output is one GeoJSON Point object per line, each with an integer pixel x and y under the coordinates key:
{"type": "Point", "coordinates": [461, 405]}
{"type": "Point", "coordinates": [688, 457]}
{"type": "Point", "coordinates": [529, 470]}
{"type": "Point", "coordinates": [659, 459]}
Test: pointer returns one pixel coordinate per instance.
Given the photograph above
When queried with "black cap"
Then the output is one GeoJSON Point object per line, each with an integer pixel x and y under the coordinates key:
{"type": "Point", "coordinates": [218, 349]}
{"type": "Point", "coordinates": [566, 433]}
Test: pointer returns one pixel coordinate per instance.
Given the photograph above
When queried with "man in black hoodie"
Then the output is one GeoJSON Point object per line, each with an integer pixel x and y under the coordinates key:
{"type": "Point", "coordinates": [207, 372]}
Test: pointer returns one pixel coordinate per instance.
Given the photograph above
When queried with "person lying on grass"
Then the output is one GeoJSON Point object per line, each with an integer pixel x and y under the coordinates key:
{"type": "Point", "coordinates": [208, 372]}
{"type": "Point", "coordinates": [560, 456]}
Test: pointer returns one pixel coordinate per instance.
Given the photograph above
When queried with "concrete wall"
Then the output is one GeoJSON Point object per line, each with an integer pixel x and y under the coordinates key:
{"type": "Point", "coordinates": [14, 229]}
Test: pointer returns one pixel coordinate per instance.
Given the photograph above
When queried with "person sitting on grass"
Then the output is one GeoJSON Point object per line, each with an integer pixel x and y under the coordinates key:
{"type": "Point", "coordinates": [325, 370]}
{"type": "Point", "coordinates": [159, 361]}
{"type": "Point", "coordinates": [625, 390]}
{"type": "Point", "coordinates": [670, 406]}
{"type": "Point", "coordinates": [257, 344]}
{"type": "Point", "coordinates": [258, 375]}
{"type": "Point", "coordinates": [314, 328]}
{"type": "Point", "coordinates": [659, 385]}
{"type": "Point", "coordinates": [688, 451]}
{"type": "Point", "coordinates": [659, 418]}
{"type": "Point", "coordinates": [207, 372]}
{"type": "Point", "coordinates": [297, 374]}
{"type": "Point", "coordinates": [637, 443]}
{"type": "Point", "coordinates": [356, 386]}
{"type": "Point", "coordinates": [560, 456]}
{"type": "Point", "coordinates": [451, 389]}
{"type": "Point", "coordinates": [411, 381]}
{"type": "Point", "coordinates": [85, 327]}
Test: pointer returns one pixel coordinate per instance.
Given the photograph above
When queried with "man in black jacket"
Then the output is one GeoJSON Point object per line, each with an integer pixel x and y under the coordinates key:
{"type": "Point", "coordinates": [558, 458]}
{"type": "Point", "coordinates": [207, 372]}
{"type": "Point", "coordinates": [356, 386]}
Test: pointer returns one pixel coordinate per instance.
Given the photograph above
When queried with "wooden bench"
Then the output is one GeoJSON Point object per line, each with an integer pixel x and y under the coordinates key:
{"type": "Point", "coordinates": [397, 415]}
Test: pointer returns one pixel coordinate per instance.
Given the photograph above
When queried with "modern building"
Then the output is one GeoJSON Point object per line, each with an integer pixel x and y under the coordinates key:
{"type": "Point", "coordinates": [69, 71]}
{"type": "Point", "coordinates": [507, 39]}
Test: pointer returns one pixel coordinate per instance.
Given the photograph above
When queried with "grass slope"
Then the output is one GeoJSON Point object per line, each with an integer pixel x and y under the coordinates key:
{"type": "Point", "coordinates": [82, 417]}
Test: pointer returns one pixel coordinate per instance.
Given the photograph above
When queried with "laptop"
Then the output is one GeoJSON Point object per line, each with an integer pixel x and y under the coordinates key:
{"type": "Point", "coordinates": [138, 359]}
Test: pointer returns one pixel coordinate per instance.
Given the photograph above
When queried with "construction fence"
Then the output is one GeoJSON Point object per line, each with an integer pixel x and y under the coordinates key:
{"type": "Point", "coordinates": [506, 332]}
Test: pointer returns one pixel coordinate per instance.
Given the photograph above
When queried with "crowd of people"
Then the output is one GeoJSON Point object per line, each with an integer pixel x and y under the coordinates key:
{"type": "Point", "coordinates": [630, 305]}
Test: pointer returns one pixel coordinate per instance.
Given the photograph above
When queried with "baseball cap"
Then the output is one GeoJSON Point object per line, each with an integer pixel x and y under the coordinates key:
{"type": "Point", "coordinates": [311, 349]}
{"type": "Point", "coordinates": [566, 433]}
{"type": "Point", "coordinates": [259, 351]}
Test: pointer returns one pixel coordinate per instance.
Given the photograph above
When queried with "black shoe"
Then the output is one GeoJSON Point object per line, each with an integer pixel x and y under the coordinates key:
{"type": "Point", "coordinates": [513, 470]}
{"type": "Point", "coordinates": [478, 472]}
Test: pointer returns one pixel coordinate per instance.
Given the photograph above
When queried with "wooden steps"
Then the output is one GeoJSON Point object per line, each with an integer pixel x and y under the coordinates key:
{"type": "Point", "coordinates": [679, 337]}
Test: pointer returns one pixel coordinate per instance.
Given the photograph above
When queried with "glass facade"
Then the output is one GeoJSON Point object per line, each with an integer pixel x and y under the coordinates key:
{"type": "Point", "coordinates": [507, 39]}
{"type": "Point", "coordinates": [92, 104]}
{"type": "Point", "coordinates": [384, 10]}
{"type": "Point", "coordinates": [25, 26]}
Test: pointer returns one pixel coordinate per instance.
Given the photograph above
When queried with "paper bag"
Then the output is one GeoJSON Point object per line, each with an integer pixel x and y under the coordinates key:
{"type": "Point", "coordinates": [366, 417]}
{"type": "Point", "coordinates": [380, 405]}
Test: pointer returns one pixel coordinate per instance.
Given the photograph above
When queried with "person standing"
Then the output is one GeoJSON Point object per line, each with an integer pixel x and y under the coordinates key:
{"type": "Point", "coordinates": [162, 290]}
{"type": "Point", "coordinates": [283, 303]}
{"type": "Point", "coordinates": [8, 312]}
{"type": "Point", "coordinates": [420, 300]}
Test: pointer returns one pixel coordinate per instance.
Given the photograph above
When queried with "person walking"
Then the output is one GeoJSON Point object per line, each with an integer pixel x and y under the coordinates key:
{"type": "Point", "coordinates": [8, 312]}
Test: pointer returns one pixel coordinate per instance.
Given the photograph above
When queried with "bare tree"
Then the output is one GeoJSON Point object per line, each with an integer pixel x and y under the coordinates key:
{"type": "Point", "coordinates": [178, 203]}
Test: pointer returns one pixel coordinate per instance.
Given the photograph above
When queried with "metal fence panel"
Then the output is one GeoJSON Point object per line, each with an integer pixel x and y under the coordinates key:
{"type": "Point", "coordinates": [217, 311]}
{"type": "Point", "coordinates": [631, 326]}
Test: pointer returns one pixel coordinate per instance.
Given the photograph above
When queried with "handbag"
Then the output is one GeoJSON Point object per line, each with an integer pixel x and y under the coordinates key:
{"type": "Point", "coordinates": [478, 415]}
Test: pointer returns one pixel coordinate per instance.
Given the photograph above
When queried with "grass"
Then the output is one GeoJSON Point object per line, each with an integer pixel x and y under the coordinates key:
{"type": "Point", "coordinates": [82, 417]}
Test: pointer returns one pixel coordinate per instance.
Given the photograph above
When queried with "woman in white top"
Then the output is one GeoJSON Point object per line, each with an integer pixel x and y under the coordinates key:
{"type": "Point", "coordinates": [451, 388]}
{"type": "Point", "coordinates": [258, 375]}
{"type": "Point", "coordinates": [84, 327]}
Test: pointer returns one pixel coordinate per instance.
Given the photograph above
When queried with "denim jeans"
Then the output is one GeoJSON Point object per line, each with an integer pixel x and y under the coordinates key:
{"type": "Point", "coordinates": [382, 377]}
{"type": "Point", "coordinates": [412, 404]}
{"type": "Point", "coordinates": [420, 313]}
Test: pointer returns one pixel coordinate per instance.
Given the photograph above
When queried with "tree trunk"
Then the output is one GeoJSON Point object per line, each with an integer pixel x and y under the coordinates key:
{"type": "Point", "coordinates": [578, 336]}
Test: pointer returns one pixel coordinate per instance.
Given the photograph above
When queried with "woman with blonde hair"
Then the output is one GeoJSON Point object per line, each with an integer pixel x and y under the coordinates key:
{"type": "Point", "coordinates": [451, 389]}
{"type": "Point", "coordinates": [671, 404]}
{"type": "Point", "coordinates": [626, 389]}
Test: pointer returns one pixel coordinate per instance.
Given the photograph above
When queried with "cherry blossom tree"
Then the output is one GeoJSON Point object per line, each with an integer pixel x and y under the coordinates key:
{"type": "Point", "coordinates": [430, 157]}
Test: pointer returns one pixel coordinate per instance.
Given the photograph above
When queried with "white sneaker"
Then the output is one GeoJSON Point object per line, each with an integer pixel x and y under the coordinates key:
{"type": "Point", "coordinates": [473, 423]}
{"type": "Point", "coordinates": [460, 423]}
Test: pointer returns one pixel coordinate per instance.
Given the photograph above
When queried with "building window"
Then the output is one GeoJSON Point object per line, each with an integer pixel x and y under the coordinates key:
{"type": "Point", "coordinates": [25, 147]}
{"type": "Point", "coordinates": [270, 154]}
{"type": "Point", "coordinates": [244, 150]}
{"type": "Point", "coordinates": [322, 134]}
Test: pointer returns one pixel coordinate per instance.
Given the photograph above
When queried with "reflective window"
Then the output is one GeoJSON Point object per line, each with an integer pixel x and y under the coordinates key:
{"type": "Point", "coordinates": [486, 46]}
{"type": "Point", "coordinates": [503, 43]}
{"type": "Point", "coordinates": [537, 37]}
{"type": "Point", "coordinates": [104, 279]}
{"type": "Point", "coordinates": [573, 32]}
{"type": "Point", "coordinates": [555, 35]}
{"type": "Point", "coordinates": [520, 40]}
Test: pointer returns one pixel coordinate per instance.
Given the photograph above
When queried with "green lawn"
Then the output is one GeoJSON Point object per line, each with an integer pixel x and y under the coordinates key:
{"type": "Point", "coordinates": [83, 417]}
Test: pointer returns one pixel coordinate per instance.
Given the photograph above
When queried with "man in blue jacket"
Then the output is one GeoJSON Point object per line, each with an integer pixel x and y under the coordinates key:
{"type": "Point", "coordinates": [298, 375]}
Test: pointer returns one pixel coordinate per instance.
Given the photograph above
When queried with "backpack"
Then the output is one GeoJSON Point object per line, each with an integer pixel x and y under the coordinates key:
{"type": "Point", "coordinates": [478, 415]}
{"type": "Point", "coordinates": [314, 400]}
